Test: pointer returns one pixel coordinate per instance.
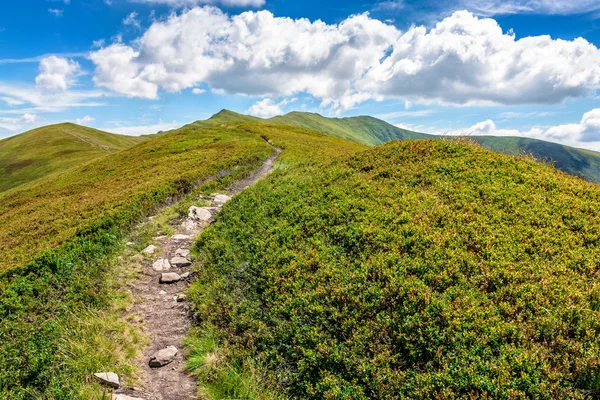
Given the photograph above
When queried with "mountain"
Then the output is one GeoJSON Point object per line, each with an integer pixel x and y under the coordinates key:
{"type": "Point", "coordinates": [372, 131]}
{"type": "Point", "coordinates": [39, 152]}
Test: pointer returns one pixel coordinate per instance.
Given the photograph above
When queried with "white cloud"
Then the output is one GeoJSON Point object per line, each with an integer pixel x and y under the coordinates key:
{"type": "Point", "coordinates": [85, 120]}
{"type": "Point", "coordinates": [504, 7]}
{"type": "Point", "coordinates": [198, 91]}
{"type": "Point", "coordinates": [11, 101]}
{"type": "Point", "coordinates": [191, 3]}
{"type": "Point", "coordinates": [16, 124]}
{"type": "Point", "coordinates": [47, 101]}
{"type": "Point", "coordinates": [143, 129]}
{"type": "Point", "coordinates": [267, 108]}
{"type": "Point", "coordinates": [132, 20]}
{"type": "Point", "coordinates": [464, 60]}
{"type": "Point", "coordinates": [56, 73]}
{"type": "Point", "coordinates": [56, 12]}
{"type": "Point", "coordinates": [402, 114]}
{"type": "Point", "coordinates": [585, 133]}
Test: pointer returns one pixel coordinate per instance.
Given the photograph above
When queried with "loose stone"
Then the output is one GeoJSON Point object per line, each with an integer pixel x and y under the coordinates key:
{"type": "Point", "coordinates": [169, 277]}
{"type": "Point", "coordinates": [180, 262]}
{"type": "Point", "coordinates": [163, 357]}
{"type": "Point", "coordinates": [108, 378]}
{"type": "Point", "coordinates": [161, 264]}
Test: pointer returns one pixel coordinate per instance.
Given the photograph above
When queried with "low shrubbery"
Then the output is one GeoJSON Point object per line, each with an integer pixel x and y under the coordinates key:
{"type": "Point", "coordinates": [417, 269]}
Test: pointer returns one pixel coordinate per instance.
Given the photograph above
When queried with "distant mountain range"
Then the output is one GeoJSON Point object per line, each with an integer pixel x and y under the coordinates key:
{"type": "Point", "coordinates": [372, 131]}
{"type": "Point", "coordinates": [43, 151]}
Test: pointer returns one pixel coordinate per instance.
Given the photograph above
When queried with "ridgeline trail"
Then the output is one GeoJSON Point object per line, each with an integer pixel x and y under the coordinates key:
{"type": "Point", "coordinates": [162, 306]}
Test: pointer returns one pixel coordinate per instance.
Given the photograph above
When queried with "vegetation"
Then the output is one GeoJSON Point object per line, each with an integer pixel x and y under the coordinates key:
{"type": "Point", "coordinates": [372, 131]}
{"type": "Point", "coordinates": [59, 236]}
{"type": "Point", "coordinates": [40, 152]}
{"type": "Point", "coordinates": [417, 269]}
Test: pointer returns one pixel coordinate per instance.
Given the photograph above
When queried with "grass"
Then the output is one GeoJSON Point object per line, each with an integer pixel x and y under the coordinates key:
{"type": "Point", "coordinates": [418, 269]}
{"type": "Point", "coordinates": [53, 148]}
{"type": "Point", "coordinates": [61, 302]}
{"type": "Point", "coordinates": [372, 131]}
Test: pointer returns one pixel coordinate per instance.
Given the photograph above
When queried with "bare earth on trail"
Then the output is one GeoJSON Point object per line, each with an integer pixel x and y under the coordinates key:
{"type": "Point", "coordinates": [165, 315]}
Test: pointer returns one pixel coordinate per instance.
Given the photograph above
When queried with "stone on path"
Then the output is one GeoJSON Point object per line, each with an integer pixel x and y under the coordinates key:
{"type": "Point", "coordinates": [169, 277]}
{"type": "Point", "coordinates": [180, 297]}
{"type": "Point", "coordinates": [221, 199]}
{"type": "Point", "coordinates": [181, 237]}
{"type": "Point", "coordinates": [201, 214]}
{"type": "Point", "coordinates": [149, 250]}
{"type": "Point", "coordinates": [162, 264]}
{"type": "Point", "coordinates": [184, 275]}
{"type": "Point", "coordinates": [124, 397]}
{"type": "Point", "coordinates": [162, 292]}
{"type": "Point", "coordinates": [163, 357]}
{"type": "Point", "coordinates": [182, 252]}
{"type": "Point", "coordinates": [108, 378]}
{"type": "Point", "coordinates": [180, 262]}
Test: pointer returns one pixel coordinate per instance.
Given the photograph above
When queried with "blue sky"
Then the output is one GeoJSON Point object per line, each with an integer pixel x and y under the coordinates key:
{"type": "Point", "coordinates": [517, 67]}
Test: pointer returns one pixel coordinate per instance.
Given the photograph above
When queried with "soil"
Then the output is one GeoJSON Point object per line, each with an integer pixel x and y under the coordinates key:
{"type": "Point", "coordinates": [166, 320]}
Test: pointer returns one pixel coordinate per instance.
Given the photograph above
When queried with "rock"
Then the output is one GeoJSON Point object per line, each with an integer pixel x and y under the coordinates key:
{"type": "Point", "coordinates": [158, 238]}
{"type": "Point", "coordinates": [180, 262]}
{"type": "Point", "coordinates": [181, 237]}
{"type": "Point", "coordinates": [180, 298]}
{"type": "Point", "coordinates": [108, 378]}
{"type": "Point", "coordinates": [162, 264]}
{"type": "Point", "coordinates": [184, 275]}
{"type": "Point", "coordinates": [221, 199]}
{"type": "Point", "coordinates": [162, 292]}
{"type": "Point", "coordinates": [201, 214]}
{"type": "Point", "coordinates": [182, 253]}
{"type": "Point", "coordinates": [190, 225]}
{"type": "Point", "coordinates": [169, 277]}
{"type": "Point", "coordinates": [149, 250]}
{"type": "Point", "coordinates": [163, 357]}
{"type": "Point", "coordinates": [124, 397]}
{"type": "Point", "coordinates": [129, 244]}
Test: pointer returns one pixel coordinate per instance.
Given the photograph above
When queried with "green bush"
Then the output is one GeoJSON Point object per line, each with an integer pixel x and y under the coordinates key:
{"type": "Point", "coordinates": [416, 269]}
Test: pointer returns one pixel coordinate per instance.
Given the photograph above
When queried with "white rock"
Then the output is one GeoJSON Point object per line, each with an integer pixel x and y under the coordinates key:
{"type": "Point", "coordinates": [184, 275]}
{"type": "Point", "coordinates": [169, 277]}
{"type": "Point", "coordinates": [163, 357]}
{"type": "Point", "coordinates": [201, 214]}
{"type": "Point", "coordinates": [180, 262]}
{"type": "Point", "coordinates": [149, 250]}
{"type": "Point", "coordinates": [124, 397]}
{"type": "Point", "coordinates": [162, 264]}
{"type": "Point", "coordinates": [221, 199]}
{"type": "Point", "coordinates": [180, 297]}
{"type": "Point", "coordinates": [182, 252]}
{"type": "Point", "coordinates": [181, 237]}
{"type": "Point", "coordinates": [162, 292]}
{"type": "Point", "coordinates": [108, 378]}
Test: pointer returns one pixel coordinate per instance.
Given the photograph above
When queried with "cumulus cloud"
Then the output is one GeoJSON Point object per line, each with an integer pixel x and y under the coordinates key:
{"type": "Point", "coordinates": [190, 3]}
{"type": "Point", "coordinates": [139, 130]}
{"type": "Point", "coordinates": [56, 12]}
{"type": "Point", "coordinates": [585, 133]}
{"type": "Point", "coordinates": [463, 60]}
{"type": "Point", "coordinates": [267, 108]}
{"type": "Point", "coordinates": [15, 124]}
{"type": "Point", "coordinates": [85, 120]}
{"type": "Point", "coordinates": [57, 73]}
{"type": "Point", "coordinates": [198, 91]}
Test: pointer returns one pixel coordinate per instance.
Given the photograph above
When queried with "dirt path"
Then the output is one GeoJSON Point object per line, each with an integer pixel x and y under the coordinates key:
{"type": "Point", "coordinates": [164, 311]}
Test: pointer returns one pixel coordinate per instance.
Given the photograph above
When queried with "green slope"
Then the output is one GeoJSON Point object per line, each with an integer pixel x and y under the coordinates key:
{"type": "Point", "coordinates": [58, 235]}
{"type": "Point", "coordinates": [363, 129]}
{"type": "Point", "coordinates": [413, 270]}
{"type": "Point", "coordinates": [39, 152]}
{"type": "Point", "coordinates": [372, 131]}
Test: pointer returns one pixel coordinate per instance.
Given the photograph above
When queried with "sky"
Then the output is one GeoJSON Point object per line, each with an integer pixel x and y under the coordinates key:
{"type": "Point", "coordinates": [474, 67]}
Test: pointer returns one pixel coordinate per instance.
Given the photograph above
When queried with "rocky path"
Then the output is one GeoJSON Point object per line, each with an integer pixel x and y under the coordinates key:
{"type": "Point", "coordinates": [160, 301]}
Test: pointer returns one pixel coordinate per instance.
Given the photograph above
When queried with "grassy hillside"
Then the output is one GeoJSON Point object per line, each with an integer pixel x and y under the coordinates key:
{"type": "Point", "coordinates": [59, 233]}
{"type": "Point", "coordinates": [417, 269]}
{"type": "Point", "coordinates": [372, 131]}
{"type": "Point", "coordinates": [40, 152]}
{"type": "Point", "coordinates": [577, 162]}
